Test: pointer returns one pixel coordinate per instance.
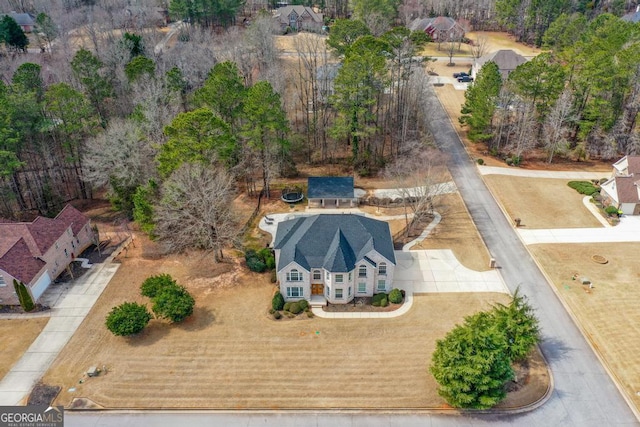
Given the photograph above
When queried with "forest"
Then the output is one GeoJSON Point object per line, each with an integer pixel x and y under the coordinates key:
{"type": "Point", "coordinates": [100, 101]}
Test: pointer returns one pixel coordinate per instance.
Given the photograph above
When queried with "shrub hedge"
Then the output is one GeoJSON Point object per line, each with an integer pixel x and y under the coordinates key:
{"type": "Point", "coordinates": [583, 187]}
{"type": "Point", "coordinates": [611, 210]}
{"type": "Point", "coordinates": [380, 300]}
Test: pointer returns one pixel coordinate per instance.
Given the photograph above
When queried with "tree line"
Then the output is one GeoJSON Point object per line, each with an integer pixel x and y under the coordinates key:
{"type": "Point", "coordinates": [581, 99]}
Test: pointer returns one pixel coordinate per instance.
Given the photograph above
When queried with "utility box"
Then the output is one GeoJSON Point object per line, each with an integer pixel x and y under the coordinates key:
{"type": "Point", "coordinates": [93, 371]}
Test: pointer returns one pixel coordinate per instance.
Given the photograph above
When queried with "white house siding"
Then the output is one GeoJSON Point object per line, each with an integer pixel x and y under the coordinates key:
{"type": "Point", "coordinates": [628, 208]}
{"type": "Point", "coordinates": [609, 190]}
{"type": "Point", "coordinates": [305, 283]}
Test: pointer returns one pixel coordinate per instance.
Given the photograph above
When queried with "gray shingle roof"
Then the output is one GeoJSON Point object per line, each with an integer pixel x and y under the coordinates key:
{"type": "Point", "coordinates": [331, 241]}
{"type": "Point", "coordinates": [330, 187]}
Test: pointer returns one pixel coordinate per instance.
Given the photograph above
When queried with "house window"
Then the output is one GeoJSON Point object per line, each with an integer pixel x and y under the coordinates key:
{"type": "Point", "coordinates": [294, 276]}
{"type": "Point", "coordinates": [327, 291]}
{"type": "Point", "coordinates": [350, 277]}
{"type": "Point", "coordinates": [350, 291]}
{"type": "Point", "coordinates": [382, 269]}
{"type": "Point", "coordinates": [362, 271]}
{"type": "Point", "coordinates": [66, 253]}
{"type": "Point", "coordinates": [338, 293]}
{"type": "Point", "coordinates": [339, 278]}
{"type": "Point", "coordinates": [317, 275]}
{"type": "Point", "coordinates": [382, 285]}
{"type": "Point", "coordinates": [295, 292]}
{"type": "Point", "coordinates": [362, 287]}
{"type": "Point", "coordinates": [57, 245]}
{"type": "Point", "coordinates": [2, 282]}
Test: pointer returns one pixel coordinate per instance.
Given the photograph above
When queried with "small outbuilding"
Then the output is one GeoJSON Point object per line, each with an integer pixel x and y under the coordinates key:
{"type": "Point", "coordinates": [331, 192]}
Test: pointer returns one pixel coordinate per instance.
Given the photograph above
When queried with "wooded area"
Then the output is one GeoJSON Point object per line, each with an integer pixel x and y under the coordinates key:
{"type": "Point", "coordinates": [104, 101]}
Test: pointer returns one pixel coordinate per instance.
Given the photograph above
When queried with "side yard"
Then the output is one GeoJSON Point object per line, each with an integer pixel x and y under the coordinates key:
{"type": "Point", "coordinates": [17, 335]}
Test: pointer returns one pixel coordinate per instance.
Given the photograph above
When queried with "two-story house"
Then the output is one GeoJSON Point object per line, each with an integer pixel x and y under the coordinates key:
{"type": "Point", "coordinates": [37, 252]}
{"type": "Point", "coordinates": [333, 258]}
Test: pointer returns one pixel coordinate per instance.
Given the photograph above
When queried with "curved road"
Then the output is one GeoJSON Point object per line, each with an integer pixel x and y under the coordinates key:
{"type": "Point", "coordinates": [584, 395]}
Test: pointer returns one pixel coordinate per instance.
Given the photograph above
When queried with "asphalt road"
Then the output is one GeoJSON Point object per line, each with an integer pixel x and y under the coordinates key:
{"type": "Point", "coordinates": [584, 394]}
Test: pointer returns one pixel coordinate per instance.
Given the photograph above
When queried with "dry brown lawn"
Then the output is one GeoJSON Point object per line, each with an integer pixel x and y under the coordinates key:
{"type": "Point", "coordinates": [457, 232]}
{"type": "Point", "coordinates": [17, 335]}
{"type": "Point", "coordinates": [495, 41]}
{"type": "Point", "coordinates": [231, 354]}
{"type": "Point", "coordinates": [541, 203]}
{"type": "Point", "coordinates": [609, 313]}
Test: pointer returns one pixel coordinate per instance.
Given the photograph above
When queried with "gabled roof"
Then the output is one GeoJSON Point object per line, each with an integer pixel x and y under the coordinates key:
{"type": "Point", "coordinates": [505, 59]}
{"type": "Point", "coordinates": [23, 19]}
{"type": "Point", "coordinates": [330, 187]}
{"type": "Point", "coordinates": [626, 187]}
{"type": "Point", "coordinates": [440, 23]}
{"type": "Point", "coordinates": [335, 242]}
{"type": "Point", "coordinates": [282, 13]}
{"type": "Point", "coordinates": [19, 262]}
{"type": "Point", "coordinates": [73, 217]}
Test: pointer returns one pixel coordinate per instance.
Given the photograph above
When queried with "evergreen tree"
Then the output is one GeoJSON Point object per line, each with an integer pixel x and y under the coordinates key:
{"type": "Point", "coordinates": [12, 35]}
{"type": "Point", "coordinates": [480, 102]}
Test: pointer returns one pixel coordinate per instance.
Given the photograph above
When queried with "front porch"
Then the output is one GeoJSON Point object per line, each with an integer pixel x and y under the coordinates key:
{"type": "Point", "coordinates": [317, 301]}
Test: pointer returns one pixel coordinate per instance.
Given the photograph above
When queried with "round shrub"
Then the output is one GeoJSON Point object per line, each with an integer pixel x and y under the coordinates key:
{"type": "Point", "coordinates": [384, 302]}
{"type": "Point", "coordinates": [611, 210]}
{"type": "Point", "coordinates": [287, 306]}
{"type": "Point", "coordinates": [277, 303]}
{"type": "Point", "coordinates": [128, 318]}
{"type": "Point", "coordinates": [173, 304]}
{"type": "Point", "coordinates": [154, 285]}
{"type": "Point", "coordinates": [277, 315]}
{"type": "Point", "coordinates": [395, 296]}
{"type": "Point", "coordinates": [304, 304]}
{"type": "Point", "coordinates": [256, 265]}
{"type": "Point", "coordinates": [295, 308]}
{"type": "Point", "coordinates": [309, 314]}
{"type": "Point", "coordinates": [480, 162]}
{"type": "Point", "coordinates": [377, 299]}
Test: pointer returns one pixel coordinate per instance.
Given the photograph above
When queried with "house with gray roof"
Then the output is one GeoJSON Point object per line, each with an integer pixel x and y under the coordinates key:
{"type": "Point", "coordinates": [298, 18]}
{"type": "Point", "coordinates": [333, 258]}
{"type": "Point", "coordinates": [622, 190]}
{"type": "Point", "coordinates": [331, 192]}
{"type": "Point", "coordinates": [506, 59]}
{"type": "Point", "coordinates": [26, 21]}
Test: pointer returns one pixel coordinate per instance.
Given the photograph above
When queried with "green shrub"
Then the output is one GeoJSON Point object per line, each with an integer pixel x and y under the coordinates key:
{"type": "Point", "coordinates": [295, 308]}
{"type": "Point", "coordinates": [309, 314]}
{"type": "Point", "coordinates": [304, 304]}
{"type": "Point", "coordinates": [277, 302]}
{"type": "Point", "coordinates": [611, 210]}
{"type": "Point", "coordinates": [26, 301]}
{"type": "Point", "coordinates": [256, 265]}
{"type": "Point", "coordinates": [154, 285]}
{"type": "Point", "coordinates": [395, 296]}
{"type": "Point", "coordinates": [286, 306]}
{"type": "Point", "coordinates": [128, 318]}
{"type": "Point", "coordinates": [384, 302]}
{"type": "Point", "coordinates": [175, 304]}
{"type": "Point", "coordinates": [583, 187]}
{"type": "Point", "coordinates": [480, 162]}
{"type": "Point", "coordinates": [377, 300]}
{"type": "Point", "coordinates": [271, 311]}
{"type": "Point", "coordinates": [277, 315]}
{"type": "Point", "coordinates": [274, 276]}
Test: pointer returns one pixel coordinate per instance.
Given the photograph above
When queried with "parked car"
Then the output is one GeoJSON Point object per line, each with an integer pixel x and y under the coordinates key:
{"type": "Point", "coordinates": [460, 74]}
{"type": "Point", "coordinates": [465, 79]}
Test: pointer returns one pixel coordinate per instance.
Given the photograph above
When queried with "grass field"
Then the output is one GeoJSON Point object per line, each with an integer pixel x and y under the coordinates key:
{"type": "Point", "coordinates": [541, 203]}
{"type": "Point", "coordinates": [17, 335]}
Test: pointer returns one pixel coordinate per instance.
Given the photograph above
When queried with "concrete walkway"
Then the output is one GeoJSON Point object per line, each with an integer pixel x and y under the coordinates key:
{"type": "Point", "coordinates": [627, 231]}
{"type": "Point", "coordinates": [513, 171]}
{"type": "Point", "coordinates": [70, 303]}
{"type": "Point", "coordinates": [394, 193]}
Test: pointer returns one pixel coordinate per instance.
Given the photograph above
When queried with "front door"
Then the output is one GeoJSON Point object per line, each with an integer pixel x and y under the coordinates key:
{"type": "Point", "coordinates": [317, 289]}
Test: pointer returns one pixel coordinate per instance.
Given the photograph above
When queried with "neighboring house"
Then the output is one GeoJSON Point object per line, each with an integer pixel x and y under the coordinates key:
{"type": "Point", "coordinates": [299, 18]}
{"type": "Point", "coordinates": [632, 16]}
{"type": "Point", "coordinates": [622, 189]}
{"type": "Point", "coordinates": [36, 252]}
{"type": "Point", "coordinates": [331, 192]}
{"type": "Point", "coordinates": [440, 29]}
{"type": "Point", "coordinates": [333, 258]}
{"type": "Point", "coordinates": [506, 60]}
{"type": "Point", "coordinates": [325, 76]}
{"type": "Point", "coordinates": [26, 21]}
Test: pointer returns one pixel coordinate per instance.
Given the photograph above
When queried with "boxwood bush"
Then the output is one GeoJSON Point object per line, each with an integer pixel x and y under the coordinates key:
{"type": "Point", "coordinates": [295, 308]}
{"type": "Point", "coordinates": [611, 210]}
{"type": "Point", "coordinates": [395, 296]}
{"type": "Point", "coordinates": [583, 187]}
{"type": "Point", "coordinates": [380, 300]}
{"type": "Point", "coordinates": [304, 304]}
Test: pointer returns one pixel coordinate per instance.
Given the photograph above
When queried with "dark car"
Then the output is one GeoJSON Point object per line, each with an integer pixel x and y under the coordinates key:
{"type": "Point", "coordinates": [465, 79]}
{"type": "Point", "coordinates": [460, 74]}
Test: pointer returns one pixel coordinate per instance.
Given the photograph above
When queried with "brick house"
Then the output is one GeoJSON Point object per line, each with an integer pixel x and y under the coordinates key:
{"type": "Point", "coordinates": [37, 252]}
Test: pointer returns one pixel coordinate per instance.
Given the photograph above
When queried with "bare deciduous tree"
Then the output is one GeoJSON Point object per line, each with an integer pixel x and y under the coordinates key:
{"type": "Point", "coordinates": [555, 125]}
{"type": "Point", "coordinates": [419, 175]}
{"type": "Point", "coordinates": [480, 46]}
{"type": "Point", "coordinates": [195, 210]}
